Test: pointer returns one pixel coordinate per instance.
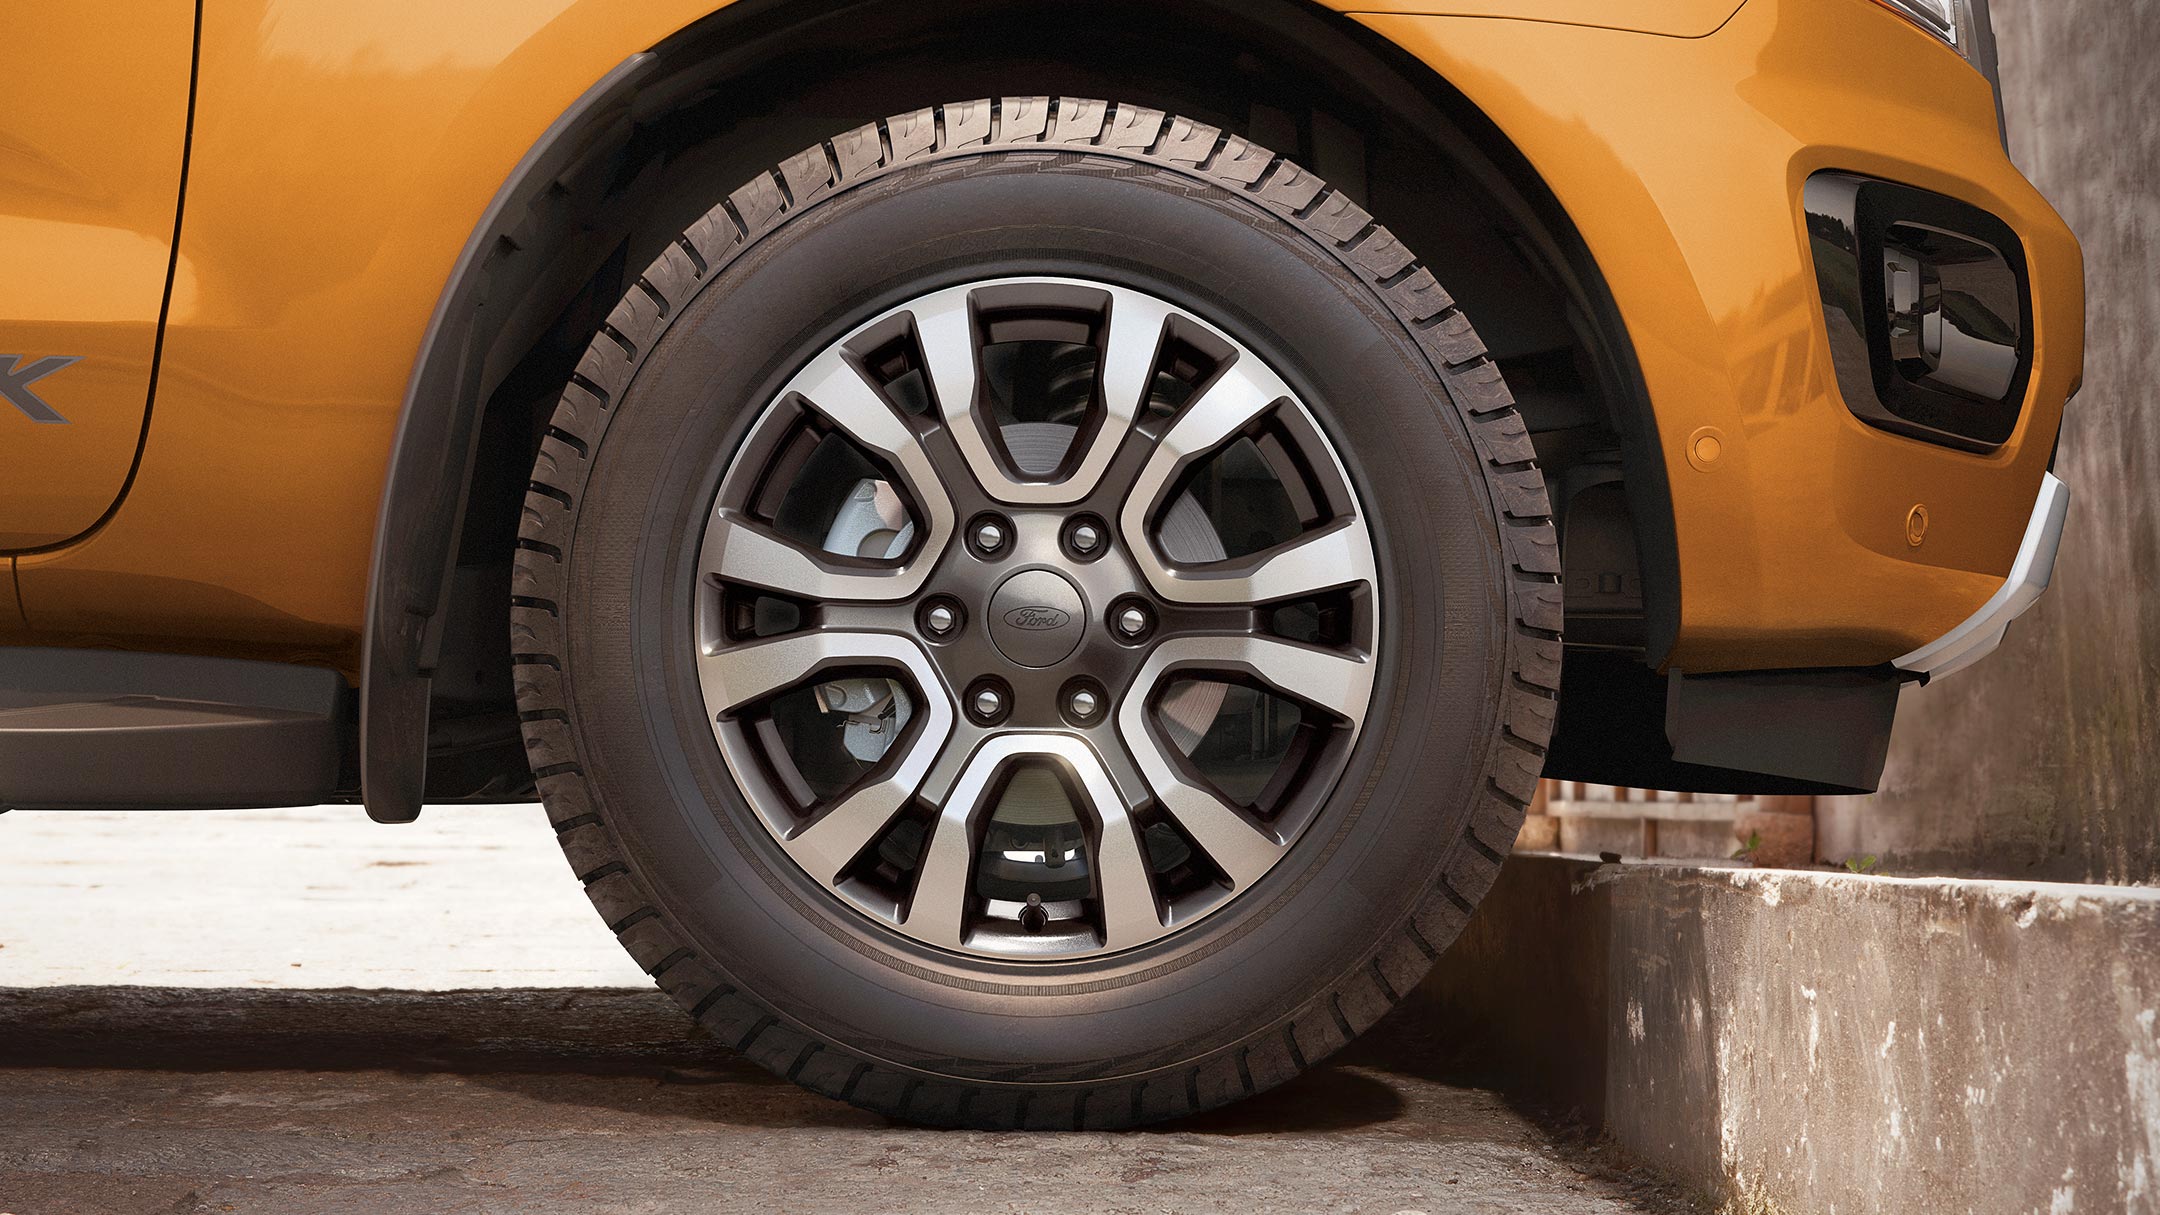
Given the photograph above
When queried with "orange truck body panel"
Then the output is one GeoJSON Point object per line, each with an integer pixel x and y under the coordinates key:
{"type": "Point", "coordinates": [1681, 161]}
{"type": "Point", "coordinates": [342, 154]}
{"type": "Point", "coordinates": [91, 133]}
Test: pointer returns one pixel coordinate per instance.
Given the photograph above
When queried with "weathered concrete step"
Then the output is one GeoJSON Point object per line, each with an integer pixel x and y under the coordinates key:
{"type": "Point", "coordinates": [1807, 1041]}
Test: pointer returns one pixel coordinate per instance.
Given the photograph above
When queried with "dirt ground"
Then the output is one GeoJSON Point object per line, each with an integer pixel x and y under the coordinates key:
{"type": "Point", "coordinates": [160, 1051]}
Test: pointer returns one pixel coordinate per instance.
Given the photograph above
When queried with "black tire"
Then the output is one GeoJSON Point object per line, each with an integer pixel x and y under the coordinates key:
{"type": "Point", "coordinates": [1414, 831]}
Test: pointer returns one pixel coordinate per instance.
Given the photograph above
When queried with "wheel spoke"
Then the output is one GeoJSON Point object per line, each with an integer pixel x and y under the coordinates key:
{"type": "Point", "coordinates": [937, 911]}
{"type": "Point", "coordinates": [1239, 847]}
{"type": "Point", "coordinates": [1326, 558]}
{"type": "Point", "coordinates": [739, 675]}
{"type": "Point", "coordinates": [1125, 888]}
{"type": "Point", "coordinates": [939, 907]}
{"type": "Point", "coordinates": [834, 387]}
{"type": "Point", "coordinates": [945, 328]}
{"type": "Point", "coordinates": [830, 842]}
{"type": "Point", "coordinates": [1331, 680]}
{"type": "Point", "coordinates": [741, 550]}
{"type": "Point", "coordinates": [1126, 375]}
{"type": "Point", "coordinates": [1241, 393]}
{"type": "Point", "coordinates": [1337, 683]}
{"type": "Point", "coordinates": [945, 332]}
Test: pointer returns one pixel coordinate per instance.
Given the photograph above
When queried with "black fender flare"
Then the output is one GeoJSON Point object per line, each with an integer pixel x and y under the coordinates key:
{"type": "Point", "coordinates": [438, 437]}
{"type": "Point", "coordinates": [431, 459]}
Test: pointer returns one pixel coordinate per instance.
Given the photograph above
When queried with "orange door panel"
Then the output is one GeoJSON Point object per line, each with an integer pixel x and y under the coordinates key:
{"type": "Point", "coordinates": [342, 152]}
{"type": "Point", "coordinates": [93, 122]}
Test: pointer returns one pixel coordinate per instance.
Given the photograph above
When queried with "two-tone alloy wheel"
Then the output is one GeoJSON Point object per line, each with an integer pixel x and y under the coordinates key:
{"type": "Point", "coordinates": [1026, 640]}
{"type": "Point", "coordinates": [1021, 639]}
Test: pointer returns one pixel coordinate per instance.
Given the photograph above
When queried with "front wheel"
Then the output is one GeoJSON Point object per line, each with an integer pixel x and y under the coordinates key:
{"type": "Point", "coordinates": [1036, 613]}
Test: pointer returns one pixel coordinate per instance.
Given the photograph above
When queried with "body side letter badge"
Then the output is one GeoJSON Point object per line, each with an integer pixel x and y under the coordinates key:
{"type": "Point", "coordinates": [17, 377]}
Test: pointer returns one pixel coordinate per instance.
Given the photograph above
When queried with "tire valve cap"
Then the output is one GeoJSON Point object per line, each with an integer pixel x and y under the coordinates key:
{"type": "Point", "coordinates": [941, 620]}
{"type": "Point", "coordinates": [1032, 917]}
{"type": "Point", "coordinates": [1132, 621]}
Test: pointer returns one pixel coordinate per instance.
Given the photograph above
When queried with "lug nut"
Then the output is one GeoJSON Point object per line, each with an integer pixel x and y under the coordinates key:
{"type": "Point", "coordinates": [987, 701]}
{"type": "Point", "coordinates": [1086, 537]}
{"type": "Point", "coordinates": [1083, 701]}
{"type": "Point", "coordinates": [989, 537]}
{"type": "Point", "coordinates": [941, 619]}
{"type": "Point", "coordinates": [1132, 621]}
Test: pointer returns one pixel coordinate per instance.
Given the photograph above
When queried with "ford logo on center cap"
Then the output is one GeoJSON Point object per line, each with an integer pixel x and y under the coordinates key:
{"type": "Point", "coordinates": [1037, 619]}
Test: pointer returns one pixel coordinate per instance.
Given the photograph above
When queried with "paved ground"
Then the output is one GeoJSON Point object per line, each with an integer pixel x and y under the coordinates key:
{"type": "Point", "coordinates": [243, 1086]}
{"type": "Point", "coordinates": [469, 896]}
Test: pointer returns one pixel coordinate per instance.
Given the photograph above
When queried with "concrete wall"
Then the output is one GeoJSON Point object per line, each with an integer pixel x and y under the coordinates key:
{"type": "Point", "coordinates": [2045, 760]}
{"type": "Point", "coordinates": [1806, 1041]}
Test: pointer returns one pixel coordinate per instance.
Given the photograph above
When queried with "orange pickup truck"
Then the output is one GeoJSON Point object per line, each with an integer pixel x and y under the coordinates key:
{"type": "Point", "coordinates": [1033, 552]}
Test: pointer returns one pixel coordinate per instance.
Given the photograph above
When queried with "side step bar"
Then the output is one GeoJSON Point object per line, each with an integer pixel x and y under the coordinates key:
{"type": "Point", "coordinates": [101, 729]}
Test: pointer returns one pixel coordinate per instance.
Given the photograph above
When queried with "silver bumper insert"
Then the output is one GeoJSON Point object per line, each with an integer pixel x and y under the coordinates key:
{"type": "Point", "coordinates": [1975, 639]}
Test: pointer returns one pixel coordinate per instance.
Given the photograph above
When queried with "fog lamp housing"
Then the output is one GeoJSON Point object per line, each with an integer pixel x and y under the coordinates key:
{"type": "Point", "coordinates": [1928, 307]}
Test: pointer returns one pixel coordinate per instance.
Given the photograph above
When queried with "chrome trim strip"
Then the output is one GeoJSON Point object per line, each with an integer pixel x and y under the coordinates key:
{"type": "Point", "coordinates": [1975, 639]}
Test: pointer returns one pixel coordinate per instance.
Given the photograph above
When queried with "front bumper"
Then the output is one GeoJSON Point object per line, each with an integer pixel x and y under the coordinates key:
{"type": "Point", "coordinates": [1684, 162]}
{"type": "Point", "coordinates": [1975, 639]}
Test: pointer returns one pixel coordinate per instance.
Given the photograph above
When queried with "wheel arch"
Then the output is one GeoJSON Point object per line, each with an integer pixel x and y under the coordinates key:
{"type": "Point", "coordinates": [696, 114]}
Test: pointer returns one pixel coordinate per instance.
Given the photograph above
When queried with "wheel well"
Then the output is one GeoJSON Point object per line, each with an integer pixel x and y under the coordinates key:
{"type": "Point", "coordinates": [735, 94]}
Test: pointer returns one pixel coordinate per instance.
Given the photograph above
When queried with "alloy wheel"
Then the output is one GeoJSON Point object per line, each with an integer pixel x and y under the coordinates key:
{"type": "Point", "coordinates": [1037, 618]}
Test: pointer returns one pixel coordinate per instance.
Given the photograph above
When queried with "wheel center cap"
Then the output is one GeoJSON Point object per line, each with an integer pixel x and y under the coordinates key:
{"type": "Point", "coordinates": [1037, 618]}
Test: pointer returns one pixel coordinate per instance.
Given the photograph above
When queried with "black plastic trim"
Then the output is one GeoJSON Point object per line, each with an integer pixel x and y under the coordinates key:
{"type": "Point", "coordinates": [1749, 732]}
{"type": "Point", "coordinates": [1646, 483]}
{"type": "Point", "coordinates": [432, 459]}
{"type": "Point", "coordinates": [108, 729]}
{"type": "Point", "coordinates": [1984, 56]}
{"type": "Point", "coordinates": [1849, 218]}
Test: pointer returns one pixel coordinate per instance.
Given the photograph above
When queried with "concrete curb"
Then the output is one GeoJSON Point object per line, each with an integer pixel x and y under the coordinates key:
{"type": "Point", "coordinates": [1808, 1041]}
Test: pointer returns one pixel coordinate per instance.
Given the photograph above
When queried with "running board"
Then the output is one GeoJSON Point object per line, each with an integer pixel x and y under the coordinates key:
{"type": "Point", "coordinates": [106, 730]}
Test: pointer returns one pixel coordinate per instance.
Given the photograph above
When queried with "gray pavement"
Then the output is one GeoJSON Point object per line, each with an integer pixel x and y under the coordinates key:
{"type": "Point", "coordinates": [243, 1085]}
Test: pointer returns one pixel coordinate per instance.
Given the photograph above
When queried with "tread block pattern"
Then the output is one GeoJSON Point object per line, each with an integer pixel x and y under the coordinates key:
{"type": "Point", "coordinates": [1144, 137]}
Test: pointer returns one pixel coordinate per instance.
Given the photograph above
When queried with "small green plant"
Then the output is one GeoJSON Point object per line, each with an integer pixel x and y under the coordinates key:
{"type": "Point", "coordinates": [1746, 852]}
{"type": "Point", "coordinates": [1860, 864]}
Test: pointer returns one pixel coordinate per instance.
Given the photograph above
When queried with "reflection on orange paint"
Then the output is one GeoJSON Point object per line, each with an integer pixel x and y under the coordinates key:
{"type": "Point", "coordinates": [93, 116]}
